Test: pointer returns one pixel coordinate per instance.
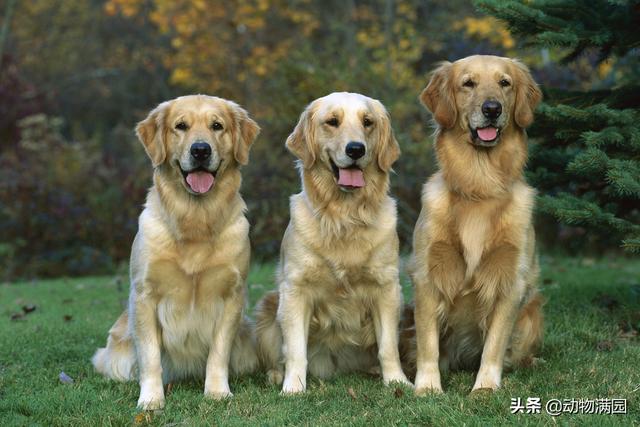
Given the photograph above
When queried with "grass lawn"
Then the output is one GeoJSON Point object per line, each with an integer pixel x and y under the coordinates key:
{"type": "Point", "coordinates": [591, 350]}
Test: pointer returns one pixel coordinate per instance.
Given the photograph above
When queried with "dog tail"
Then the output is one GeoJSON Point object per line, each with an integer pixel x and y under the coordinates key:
{"type": "Point", "coordinates": [118, 359]}
{"type": "Point", "coordinates": [407, 340]}
{"type": "Point", "coordinates": [269, 337]}
{"type": "Point", "coordinates": [243, 358]}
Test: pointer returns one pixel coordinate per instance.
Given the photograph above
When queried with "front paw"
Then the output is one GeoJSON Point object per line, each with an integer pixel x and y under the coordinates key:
{"type": "Point", "coordinates": [218, 394]}
{"type": "Point", "coordinates": [487, 380]}
{"type": "Point", "coordinates": [217, 388]}
{"type": "Point", "coordinates": [293, 384]}
{"type": "Point", "coordinates": [428, 384]}
{"type": "Point", "coordinates": [149, 402]}
{"type": "Point", "coordinates": [398, 377]}
{"type": "Point", "coordinates": [484, 386]}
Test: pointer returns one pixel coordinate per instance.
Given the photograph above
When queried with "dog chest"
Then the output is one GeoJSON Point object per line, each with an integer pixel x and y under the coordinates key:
{"type": "Point", "coordinates": [473, 231]}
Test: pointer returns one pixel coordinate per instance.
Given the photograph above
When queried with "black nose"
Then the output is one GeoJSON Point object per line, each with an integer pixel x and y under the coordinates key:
{"type": "Point", "coordinates": [491, 109]}
{"type": "Point", "coordinates": [200, 151]}
{"type": "Point", "coordinates": [355, 150]}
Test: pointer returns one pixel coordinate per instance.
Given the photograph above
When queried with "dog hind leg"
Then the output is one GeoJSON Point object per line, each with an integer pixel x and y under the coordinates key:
{"type": "Point", "coordinates": [118, 359]}
{"type": "Point", "coordinates": [527, 334]}
{"type": "Point", "coordinates": [269, 338]}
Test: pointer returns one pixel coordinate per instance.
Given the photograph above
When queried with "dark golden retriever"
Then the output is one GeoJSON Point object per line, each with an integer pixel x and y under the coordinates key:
{"type": "Point", "coordinates": [474, 267]}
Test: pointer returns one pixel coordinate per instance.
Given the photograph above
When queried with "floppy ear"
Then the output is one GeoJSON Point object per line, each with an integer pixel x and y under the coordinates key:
{"type": "Point", "coordinates": [246, 133]}
{"type": "Point", "coordinates": [301, 142]}
{"type": "Point", "coordinates": [388, 147]}
{"type": "Point", "coordinates": [151, 134]}
{"type": "Point", "coordinates": [439, 97]}
{"type": "Point", "coordinates": [528, 95]}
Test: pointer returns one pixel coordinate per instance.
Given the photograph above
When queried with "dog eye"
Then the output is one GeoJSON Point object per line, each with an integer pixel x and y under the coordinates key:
{"type": "Point", "coordinates": [182, 126]}
{"type": "Point", "coordinates": [333, 122]}
{"type": "Point", "coordinates": [504, 83]}
{"type": "Point", "coordinates": [469, 83]}
{"type": "Point", "coordinates": [216, 126]}
{"type": "Point", "coordinates": [367, 122]}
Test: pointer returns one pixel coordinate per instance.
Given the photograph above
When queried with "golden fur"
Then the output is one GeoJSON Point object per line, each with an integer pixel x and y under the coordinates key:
{"type": "Point", "coordinates": [474, 267]}
{"type": "Point", "coordinates": [339, 297]}
{"type": "Point", "coordinates": [189, 259]}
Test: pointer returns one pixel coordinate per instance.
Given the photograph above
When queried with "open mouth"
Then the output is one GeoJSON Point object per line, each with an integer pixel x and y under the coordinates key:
{"type": "Point", "coordinates": [348, 178]}
{"type": "Point", "coordinates": [486, 136]}
{"type": "Point", "coordinates": [199, 180]}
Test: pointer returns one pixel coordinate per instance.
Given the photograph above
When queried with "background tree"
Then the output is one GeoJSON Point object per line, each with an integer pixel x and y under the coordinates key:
{"type": "Point", "coordinates": [586, 159]}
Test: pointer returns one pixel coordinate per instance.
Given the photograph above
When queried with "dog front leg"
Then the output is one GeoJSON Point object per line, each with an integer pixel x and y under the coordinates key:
{"type": "Point", "coordinates": [495, 345]}
{"type": "Point", "coordinates": [386, 315]}
{"type": "Point", "coordinates": [498, 281]}
{"type": "Point", "coordinates": [147, 340]}
{"type": "Point", "coordinates": [437, 277]}
{"type": "Point", "coordinates": [427, 342]}
{"type": "Point", "coordinates": [216, 383]}
{"type": "Point", "coordinates": [294, 313]}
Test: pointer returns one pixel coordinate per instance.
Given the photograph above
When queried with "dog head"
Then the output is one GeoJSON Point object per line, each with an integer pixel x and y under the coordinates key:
{"type": "Point", "coordinates": [482, 95]}
{"type": "Point", "coordinates": [347, 134]}
{"type": "Point", "coordinates": [196, 138]}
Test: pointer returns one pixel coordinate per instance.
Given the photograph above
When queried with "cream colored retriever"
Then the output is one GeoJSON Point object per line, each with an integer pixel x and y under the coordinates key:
{"type": "Point", "coordinates": [190, 258]}
{"type": "Point", "coordinates": [338, 289]}
{"type": "Point", "coordinates": [474, 266]}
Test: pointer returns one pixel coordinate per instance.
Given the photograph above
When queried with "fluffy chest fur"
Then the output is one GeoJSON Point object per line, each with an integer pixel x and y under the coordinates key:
{"type": "Point", "coordinates": [473, 230]}
{"type": "Point", "coordinates": [360, 255]}
{"type": "Point", "coordinates": [475, 227]}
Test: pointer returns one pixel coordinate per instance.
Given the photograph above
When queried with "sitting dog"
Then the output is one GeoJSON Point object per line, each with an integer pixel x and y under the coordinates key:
{"type": "Point", "coordinates": [190, 257]}
{"type": "Point", "coordinates": [474, 267]}
{"type": "Point", "coordinates": [339, 297]}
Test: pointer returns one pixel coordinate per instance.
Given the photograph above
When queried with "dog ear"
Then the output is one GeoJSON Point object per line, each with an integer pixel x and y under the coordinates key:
{"type": "Point", "coordinates": [438, 97]}
{"type": "Point", "coordinates": [528, 95]}
{"type": "Point", "coordinates": [246, 133]}
{"type": "Point", "coordinates": [301, 142]}
{"type": "Point", "coordinates": [388, 147]}
{"type": "Point", "coordinates": [151, 134]}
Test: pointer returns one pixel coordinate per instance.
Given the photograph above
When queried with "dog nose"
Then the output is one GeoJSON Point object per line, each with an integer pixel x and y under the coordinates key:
{"type": "Point", "coordinates": [491, 109]}
{"type": "Point", "coordinates": [355, 150]}
{"type": "Point", "coordinates": [200, 151]}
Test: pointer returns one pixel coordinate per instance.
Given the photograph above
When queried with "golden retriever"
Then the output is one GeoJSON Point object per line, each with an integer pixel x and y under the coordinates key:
{"type": "Point", "coordinates": [190, 257]}
{"type": "Point", "coordinates": [474, 267]}
{"type": "Point", "coordinates": [338, 288]}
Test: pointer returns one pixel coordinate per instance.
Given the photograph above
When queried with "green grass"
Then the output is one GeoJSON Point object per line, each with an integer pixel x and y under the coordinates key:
{"type": "Point", "coordinates": [586, 355]}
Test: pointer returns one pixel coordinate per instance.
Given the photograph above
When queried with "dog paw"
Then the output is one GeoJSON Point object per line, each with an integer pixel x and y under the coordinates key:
{"type": "Point", "coordinates": [151, 395]}
{"type": "Point", "coordinates": [485, 386]}
{"type": "Point", "coordinates": [425, 391]}
{"type": "Point", "coordinates": [218, 395]}
{"type": "Point", "coordinates": [295, 381]}
{"type": "Point", "coordinates": [274, 376]}
{"type": "Point", "coordinates": [428, 382]}
{"type": "Point", "coordinates": [481, 391]}
{"type": "Point", "coordinates": [398, 378]}
{"type": "Point", "coordinates": [150, 403]}
{"type": "Point", "coordinates": [293, 387]}
{"type": "Point", "coordinates": [289, 391]}
{"type": "Point", "coordinates": [488, 379]}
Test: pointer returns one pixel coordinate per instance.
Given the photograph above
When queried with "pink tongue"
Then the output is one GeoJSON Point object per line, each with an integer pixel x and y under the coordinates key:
{"type": "Point", "coordinates": [351, 177]}
{"type": "Point", "coordinates": [200, 182]}
{"type": "Point", "coordinates": [488, 133]}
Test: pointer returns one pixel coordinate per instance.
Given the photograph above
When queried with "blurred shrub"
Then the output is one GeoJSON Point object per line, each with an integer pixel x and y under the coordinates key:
{"type": "Point", "coordinates": [71, 190]}
{"type": "Point", "coordinates": [67, 206]}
